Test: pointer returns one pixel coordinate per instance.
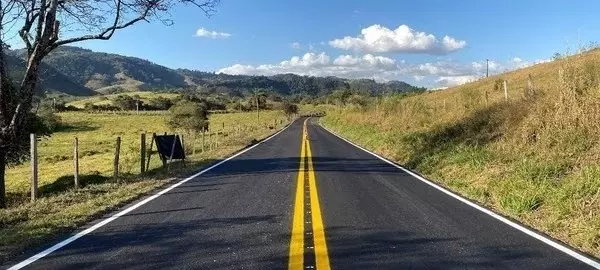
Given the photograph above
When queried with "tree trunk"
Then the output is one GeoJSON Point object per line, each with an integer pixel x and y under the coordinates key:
{"type": "Point", "coordinates": [2, 171]}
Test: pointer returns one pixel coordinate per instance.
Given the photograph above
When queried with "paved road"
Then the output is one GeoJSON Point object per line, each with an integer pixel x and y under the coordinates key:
{"type": "Point", "coordinates": [240, 215]}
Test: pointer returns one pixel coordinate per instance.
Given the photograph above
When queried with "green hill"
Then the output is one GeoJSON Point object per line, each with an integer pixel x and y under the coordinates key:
{"type": "Point", "coordinates": [78, 71]}
{"type": "Point", "coordinates": [51, 80]}
{"type": "Point", "coordinates": [107, 73]}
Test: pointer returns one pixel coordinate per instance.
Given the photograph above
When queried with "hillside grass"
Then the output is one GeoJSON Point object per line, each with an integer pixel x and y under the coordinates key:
{"type": "Point", "coordinates": [62, 208]}
{"type": "Point", "coordinates": [534, 157]}
{"type": "Point", "coordinates": [145, 96]}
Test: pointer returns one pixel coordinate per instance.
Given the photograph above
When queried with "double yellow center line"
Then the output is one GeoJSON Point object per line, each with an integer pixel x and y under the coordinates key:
{"type": "Point", "coordinates": [308, 234]}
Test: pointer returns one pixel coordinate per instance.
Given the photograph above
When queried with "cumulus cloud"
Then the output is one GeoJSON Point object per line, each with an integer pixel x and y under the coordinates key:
{"type": "Point", "coordinates": [307, 60]}
{"type": "Point", "coordinates": [434, 74]}
{"type": "Point", "coordinates": [518, 63]}
{"type": "Point", "coordinates": [449, 81]}
{"type": "Point", "coordinates": [347, 66]}
{"type": "Point", "coordinates": [295, 45]}
{"type": "Point", "coordinates": [367, 60]}
{"type": "Point", "coordinates": [202, 32]}
{"type": "Point", "coordinates": [379, 39]}
{"type": "Point", "coordinates": [418, 78]}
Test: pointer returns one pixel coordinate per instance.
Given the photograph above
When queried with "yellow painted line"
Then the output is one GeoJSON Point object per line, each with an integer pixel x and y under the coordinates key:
{"type": "Point", "coordinates": [296, 259]}
{"type": "Point", "coordinates": [321, 255]}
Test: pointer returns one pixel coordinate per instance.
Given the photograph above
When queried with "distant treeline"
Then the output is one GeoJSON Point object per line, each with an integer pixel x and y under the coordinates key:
{"type": "Point", "coordinates": [291, 84]}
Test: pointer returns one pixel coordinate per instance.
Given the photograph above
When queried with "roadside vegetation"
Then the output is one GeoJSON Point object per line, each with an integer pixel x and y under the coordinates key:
{"type": "Point", "coordinates": [534, 157]}
{"type": "Point", "coordinates": [61, 207]}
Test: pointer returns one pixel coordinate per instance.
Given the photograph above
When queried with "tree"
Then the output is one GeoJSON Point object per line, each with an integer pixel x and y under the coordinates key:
{"type": "Point", "coordinates": [258, 101]}
{"type": "Point", "coordinates": [126, 103]}
{"type": "Point", "coordinates": [189, 116]}
{"type": "Point", "coordinates": [340, 96]}
{"type": "Point", "coordinates": [161, 103]}
{"type": "Point", "coordinates": [41, 32]}
{"type": "Point", "coordinates": [289, 109]}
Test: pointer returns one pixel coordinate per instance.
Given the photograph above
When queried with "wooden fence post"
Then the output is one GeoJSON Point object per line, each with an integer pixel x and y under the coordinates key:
{"type": "Point", "coordinates": [182, 143]}
{"type": "Point", "coordinates": [116, 162]}
{"type": "Point", "coordinates": [194, 144]}
{"type": "Point", "coordinates": [203, 141]}
{"type": "Point", "coordinates": [505, 91]}
{"type": "Point", "coordinates": [76, 162]}
{"type": "Point", "coordinates": [142, 153]}
{"type": "Point", "coordinates": [34, 166]}
{"type": "Point", "coordinates": [150, 151]}
{"type": "Point", "coordinates": [183, 148]}
{"type": "Point", "coordinates": [530, 86]}
{"type": "Point", "coordinates": [486, 98]}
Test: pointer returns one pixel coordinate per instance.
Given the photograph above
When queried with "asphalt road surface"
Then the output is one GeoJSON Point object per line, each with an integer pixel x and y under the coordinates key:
{"type": "Point", "coordinates": [305, 199]}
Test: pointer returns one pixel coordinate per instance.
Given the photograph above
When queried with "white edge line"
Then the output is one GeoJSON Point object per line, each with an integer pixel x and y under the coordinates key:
{"type": "Point", "coordinates": [517, 226]}
{"type": "Point", "coordinates": [133, 207]}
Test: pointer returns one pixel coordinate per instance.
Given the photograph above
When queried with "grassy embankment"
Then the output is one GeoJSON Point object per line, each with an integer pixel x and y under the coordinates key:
{"type": "Point", "coordinates": [62, 208]}
{"type": "Point", "coordinates": [535, 157]}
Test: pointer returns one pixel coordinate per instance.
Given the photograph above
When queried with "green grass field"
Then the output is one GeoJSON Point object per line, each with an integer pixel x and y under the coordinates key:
{"type": "Point", "coordinates": [145, 96]}
{"type": "Point", "coordinates": [62, 208]}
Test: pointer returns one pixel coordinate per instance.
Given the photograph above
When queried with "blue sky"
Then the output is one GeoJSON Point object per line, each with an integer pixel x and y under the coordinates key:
{"type": "Point", "coordinates": [402, 40]}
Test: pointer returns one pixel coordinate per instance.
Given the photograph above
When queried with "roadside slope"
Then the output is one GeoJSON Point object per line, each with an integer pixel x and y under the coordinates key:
{"type": "Point", "coordinates": [380, 217]}
{"type": "Point", "coordinates": [533, 157]}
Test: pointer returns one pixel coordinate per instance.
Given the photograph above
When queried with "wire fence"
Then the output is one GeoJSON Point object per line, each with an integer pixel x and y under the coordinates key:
{"type": "Point", "coordinates": [83, 159]}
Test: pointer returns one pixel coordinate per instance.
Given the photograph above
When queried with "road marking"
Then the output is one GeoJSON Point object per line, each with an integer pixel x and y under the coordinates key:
{"type": "Point", "coordinates": [565, 249]}
{"type": "Point", "coordinates": [322, 258]}
{"type": "Point", "coordinates": [296, 260]}
{"type": "Point", "coordinates": [131, 208]}
{"type": "Point", "coordinates": [302, 239]}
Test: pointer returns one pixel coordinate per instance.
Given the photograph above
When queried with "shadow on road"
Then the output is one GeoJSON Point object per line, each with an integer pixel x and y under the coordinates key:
{"type": "Point", "coordinates": [204, 244]}
{"type": "Point", "coordinates": [247, 166]}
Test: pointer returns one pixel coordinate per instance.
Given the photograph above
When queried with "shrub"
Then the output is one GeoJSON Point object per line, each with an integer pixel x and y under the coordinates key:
{"type": "Point", "coordinates": [190, 116]}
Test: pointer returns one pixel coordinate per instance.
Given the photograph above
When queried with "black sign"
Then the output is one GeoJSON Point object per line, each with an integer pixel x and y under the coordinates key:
{"type": "Point", "coordinates": [169, 147]}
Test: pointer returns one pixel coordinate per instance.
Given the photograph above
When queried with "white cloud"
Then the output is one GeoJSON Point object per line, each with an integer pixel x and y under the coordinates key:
{"type": "Point", "coordinates": [418, 78]}
{"type": "Point", "coordinates": [518, 63]}
{"type": "Point", "coordinates": [480, 67]}
{"type": "Point", "coordinates": [346, 66]}
{"type": "Point", "coordinates": [451, 44]}
{"type": "Point", "coordinates": [211, 34]}
{"type": "Point", "coordinates": [434, 74]}
{"type": "Point", "coordinates": [295, 45]}
{"type": "Point", "coordinates": [449, 81]}
{"type": "Point", "coordinates": [368, 60]}
{"type": "Point", "coordinates": [308, 60]}
{"type": "Point", "coordinates": [346, 60]}
{"type": "Point", "coordinates": [379, 39]}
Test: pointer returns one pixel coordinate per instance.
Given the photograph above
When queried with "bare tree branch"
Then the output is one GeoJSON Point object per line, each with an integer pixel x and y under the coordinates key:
{"type": "Point", "coordinates": [43, 24]}
{"type": "Point", "coordinates": [108, 32]}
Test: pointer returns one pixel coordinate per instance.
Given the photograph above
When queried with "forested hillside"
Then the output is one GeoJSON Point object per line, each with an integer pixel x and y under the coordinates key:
{"type": "Point", "coordinates": [50, 79]}
{"type": "Point", "coordinates": [78, 71]}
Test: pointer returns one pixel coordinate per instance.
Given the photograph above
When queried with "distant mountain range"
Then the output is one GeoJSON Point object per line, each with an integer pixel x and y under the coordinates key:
{"type": "Point", "coordinates": [82, 72]}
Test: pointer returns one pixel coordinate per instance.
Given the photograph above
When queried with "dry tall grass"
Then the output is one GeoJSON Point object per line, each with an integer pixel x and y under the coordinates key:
{"type": "Point", "coordinates": [534, 157]}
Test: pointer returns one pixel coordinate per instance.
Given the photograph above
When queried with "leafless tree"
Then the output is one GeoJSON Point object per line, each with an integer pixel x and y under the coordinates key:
{"type": "Point", "coordinates": [44, 25]}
